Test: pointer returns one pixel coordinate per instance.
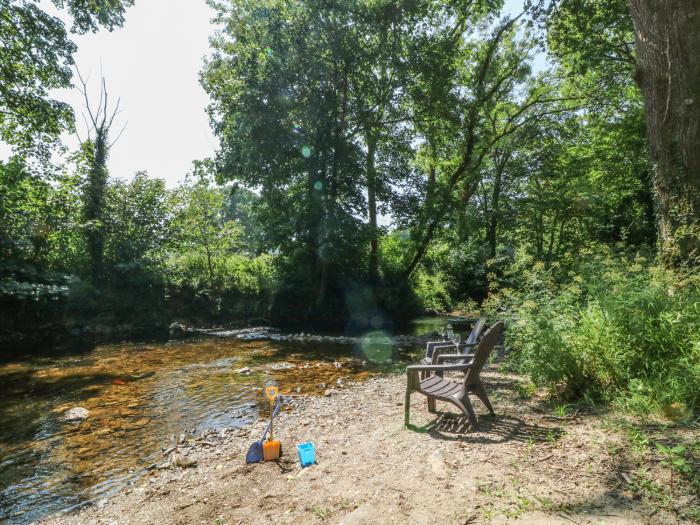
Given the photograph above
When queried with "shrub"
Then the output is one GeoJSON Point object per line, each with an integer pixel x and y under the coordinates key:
{"type": "Point", "coordinates": [432, 291]}
{"type": "Point", "coordinates": [237, 285]}
{"type": "Point", "coordinates": [615, 327]}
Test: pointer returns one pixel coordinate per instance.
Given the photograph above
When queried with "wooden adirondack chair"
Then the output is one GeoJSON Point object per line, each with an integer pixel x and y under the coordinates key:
{"type": "Point", "coordinates": [427, 379]}
{"type": "Point", "coordinates": [439, 351]}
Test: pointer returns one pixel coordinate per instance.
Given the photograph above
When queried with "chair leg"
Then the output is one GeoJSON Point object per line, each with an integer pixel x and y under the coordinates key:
{"type": "Point", "coordinates": [466, 407]}
{"type": "Point", "coordinates": [407, 406]}
{"type": "Point", "coordinates": [480, 392]}
{"type": "Point", "coordinates": [431, 405]}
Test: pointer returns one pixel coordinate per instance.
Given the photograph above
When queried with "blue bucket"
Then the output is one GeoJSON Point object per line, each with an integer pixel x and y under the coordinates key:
{"type": "Point", "coordinates": [307, 454]}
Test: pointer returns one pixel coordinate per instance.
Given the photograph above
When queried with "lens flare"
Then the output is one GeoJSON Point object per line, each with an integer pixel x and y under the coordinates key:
{"type": "Point", "coordinates": [376, 346]}
{"type": "Point", "coordinates": [306, 152]}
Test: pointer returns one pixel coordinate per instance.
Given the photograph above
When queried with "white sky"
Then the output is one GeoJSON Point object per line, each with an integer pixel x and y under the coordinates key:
{"type": "Point", "coordinates": [152, 64]}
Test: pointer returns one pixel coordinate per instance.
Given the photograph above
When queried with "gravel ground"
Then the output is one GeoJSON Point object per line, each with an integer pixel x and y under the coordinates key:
{"type": "Point", "coordinates": [524, 466]}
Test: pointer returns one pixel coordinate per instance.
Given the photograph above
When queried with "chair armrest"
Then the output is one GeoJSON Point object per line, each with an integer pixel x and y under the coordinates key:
{"type": "Point", "coordinates": [437, 368]}
{"type": "Point", "coordinates": [453, 357]}
{"type": "Point", "coordinates": [440, 351]}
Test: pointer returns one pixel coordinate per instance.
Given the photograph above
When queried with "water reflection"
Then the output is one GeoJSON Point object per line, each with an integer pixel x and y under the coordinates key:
{"type": "Point", "coordinates": [139, 397]}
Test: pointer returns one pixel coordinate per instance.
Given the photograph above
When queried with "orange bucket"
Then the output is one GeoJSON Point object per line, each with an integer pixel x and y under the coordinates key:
{"type": "Point", "coordinates": [271, 450]}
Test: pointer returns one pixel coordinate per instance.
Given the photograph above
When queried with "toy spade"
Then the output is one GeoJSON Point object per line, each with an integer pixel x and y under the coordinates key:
{"type": "Point", "coordinates": [272, 449]}
{"type": "Point", "coordinates": [256, 452]}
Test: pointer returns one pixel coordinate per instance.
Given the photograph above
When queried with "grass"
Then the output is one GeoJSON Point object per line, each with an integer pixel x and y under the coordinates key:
{"type": "Point", "coordinates": [561, 410]}
{"type": "Point", "coordinates": [638, 441]}
{"type": "Point", "coordinates": [667, 471]}
{"type": "Point", "coordinates": [322, 513]}
{"type": "Point", "coordinates": [510, 504]}
{"type": "Point", "coordinates": [526, 390]}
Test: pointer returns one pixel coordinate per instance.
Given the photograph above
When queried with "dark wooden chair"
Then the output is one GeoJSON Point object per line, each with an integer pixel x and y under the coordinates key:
{"type": "Point", "coordinates": [427, 379]}
{"type": "Point", "coordinates": [435, 350]}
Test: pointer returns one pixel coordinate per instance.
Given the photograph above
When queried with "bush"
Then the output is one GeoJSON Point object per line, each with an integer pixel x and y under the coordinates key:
{"type": "Point", "coordinates": [238, 285]}
{"type": "Point", "coordinates": [615, 327]}
{"type": "Point", "coordinates": [432, 291]}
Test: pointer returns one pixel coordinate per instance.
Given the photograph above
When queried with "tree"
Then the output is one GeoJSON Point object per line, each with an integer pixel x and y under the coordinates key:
{"type": "Point", "coordinates": [592, 46]}
{"type": "Point", "coordinates": [283, 129]}
{"type": "Point", "coordinates": [138, 219]}
{"type": "Point", "coordinates": [667, 34]}
{"type": "Point", "coordinates": [335, 82]}
{"type": "Point", "coordinates": [492, 203]}
{"type": "Point", "coordinates": [592, 42]}
{"type": "Point", "coordinates": [202, 224]}
{"type": "Point", "coordinates": [36, 56]}
{"type": "Point", "coordinates": [493, 95]}
{"type": "Point", "coordinates": [95, 150]}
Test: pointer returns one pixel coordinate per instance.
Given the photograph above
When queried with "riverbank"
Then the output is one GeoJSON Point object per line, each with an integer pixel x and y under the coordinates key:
{"type": "Point", "coordinates": [525, 466]}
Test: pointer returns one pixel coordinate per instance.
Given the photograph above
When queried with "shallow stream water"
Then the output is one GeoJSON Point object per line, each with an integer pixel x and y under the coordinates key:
{"type": "Point", "coordinates": [139, 397]}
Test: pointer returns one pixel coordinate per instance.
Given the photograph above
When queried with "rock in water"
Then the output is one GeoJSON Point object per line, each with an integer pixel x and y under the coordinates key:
{"type": "Point", "coordinates": [281, 366]}
{"type": "Point", "coordinates": [76, 414]}
{"type": "Point", "coordinates": [179, 329]}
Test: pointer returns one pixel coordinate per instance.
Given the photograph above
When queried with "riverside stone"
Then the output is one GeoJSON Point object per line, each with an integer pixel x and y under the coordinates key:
{"type": "Point", "coordinates": [76, 414]}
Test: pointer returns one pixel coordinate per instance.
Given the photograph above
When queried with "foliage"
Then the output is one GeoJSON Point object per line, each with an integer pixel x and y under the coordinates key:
{"type": "Point", "coordinates": [610, 325]}
{"type": "Point", "coordinates": [160, 247]}
{"type": "Point", "coordinates": [431, 290]}
{"type": "Point", "coordinates": [138, 221]}
{"type": "Point", "coordinates": [202, 224]}
{"type": "Point", "coordinates": [337, 113]}
{"type": "Point", "coordinates": [34, 219]}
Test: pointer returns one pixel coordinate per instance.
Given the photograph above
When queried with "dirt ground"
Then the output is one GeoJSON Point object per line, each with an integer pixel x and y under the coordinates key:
{"type": "Point", "coordinates": [525, 465]}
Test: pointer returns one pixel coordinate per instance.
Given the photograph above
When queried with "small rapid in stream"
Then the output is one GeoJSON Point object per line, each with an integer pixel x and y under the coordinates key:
{"type": "Point", "coordinates": [140, 397]}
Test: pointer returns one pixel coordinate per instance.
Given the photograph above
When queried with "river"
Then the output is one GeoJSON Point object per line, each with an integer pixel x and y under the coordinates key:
{"type": "Point", "coordinates": [140, 397]}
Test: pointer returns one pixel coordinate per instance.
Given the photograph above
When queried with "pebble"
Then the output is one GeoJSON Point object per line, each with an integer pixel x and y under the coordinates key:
{"type": "Point", "coordinates": [437, 463]}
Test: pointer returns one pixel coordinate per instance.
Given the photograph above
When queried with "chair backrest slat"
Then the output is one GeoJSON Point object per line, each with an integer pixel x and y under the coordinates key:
{"type": "Point", "coordinates": [482, 353]}
{"type": "Point", "coordinates": [476, 331]}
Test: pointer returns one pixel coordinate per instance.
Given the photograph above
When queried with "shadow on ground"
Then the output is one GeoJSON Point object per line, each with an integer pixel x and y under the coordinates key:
{"type": "Point", "coordinates": [492, 430]}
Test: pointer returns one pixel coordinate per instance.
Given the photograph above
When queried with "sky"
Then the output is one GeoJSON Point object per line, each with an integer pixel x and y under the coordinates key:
{"type": "Point", "coordinates": [152, 65]}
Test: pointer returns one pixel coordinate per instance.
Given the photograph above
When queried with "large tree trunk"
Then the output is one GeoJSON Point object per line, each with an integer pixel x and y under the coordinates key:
{"type": "Point", "coordinates": [667, 33]}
